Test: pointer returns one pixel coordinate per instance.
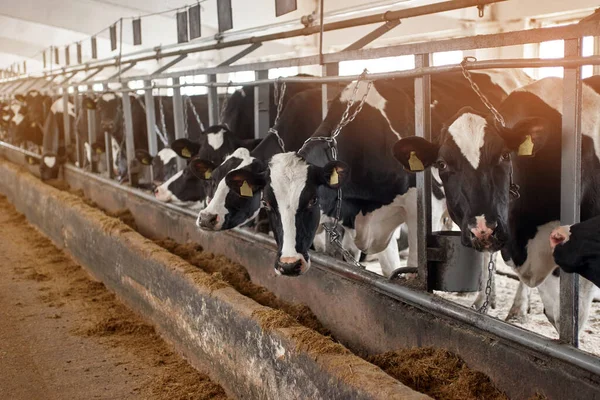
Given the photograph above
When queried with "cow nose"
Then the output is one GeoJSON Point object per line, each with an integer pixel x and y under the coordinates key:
{"type": "Point", "coordinates": [482, 229]}
{"type": "Point", "coordinates": [290, 266]}
{"type": "Point", "coordinates": [161, 194]}
{"type": "Point", "coordinates": [208, 220]}
{"type": "Point", "coordinates": [107, 125]}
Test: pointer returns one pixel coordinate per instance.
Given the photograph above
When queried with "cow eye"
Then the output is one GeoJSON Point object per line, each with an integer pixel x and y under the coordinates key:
{"type": "Point", "coordinates": [266, 204]}
{"type": "Point", "coordinates": [442, 165]}
{"type": "Point", "coordinates": [505, 156]}
{"type": "Point", "coordinates": [313, 202]}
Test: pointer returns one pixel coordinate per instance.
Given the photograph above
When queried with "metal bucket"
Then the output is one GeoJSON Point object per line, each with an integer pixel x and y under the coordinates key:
{"type": "Point", "coordinates": [452, 267]}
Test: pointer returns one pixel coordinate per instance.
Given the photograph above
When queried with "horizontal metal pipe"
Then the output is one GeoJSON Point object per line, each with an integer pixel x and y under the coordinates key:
{"type": "Point", "coordinates": [476, 65]}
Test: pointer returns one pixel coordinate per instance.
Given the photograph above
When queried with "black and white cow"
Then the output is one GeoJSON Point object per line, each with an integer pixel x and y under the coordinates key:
{"type": "Point", "coordinates": [377, 196]}
{"type": "Point", "coordinates": [576, 249]}
{"type": "Point", "coordinates": [218, 141]}
{"type": "Point", "coordinates": [230, 205]}
{"type": "Point", "coordinates": [476, 158]}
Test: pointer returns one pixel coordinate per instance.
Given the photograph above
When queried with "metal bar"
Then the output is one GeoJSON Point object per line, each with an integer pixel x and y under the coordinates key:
{"type": "Point", "coordinates": [596, 68]}
{"type": "Point", "coordinates": [129, 141]}
{"type": "Point", "coordinates": [329, 92]}
{"type": "Point", "coordinates": [49, 81]}
{"type": "Point", "coordinates": [93, 74]}
{"type": "Point", "coordinates": [66, 80]}
{"type": "Point", "coordinates": [127, 68]}
{"type": "Point", "coordinates": [213, 101]}
{"type": "Point", "coordinates": [570, 192]}
{"type": "Point", "coordinates": [17, 86]}
{"type": "Point", "coordinates": [178, 117]}
{"type": "Point", "coordinates": [169, 65]}
{"type": "Point", "coordinates": [76, 108]}
{"type": "Point", "coordinates": [108, 155]}
{"type": "Point", "coordinates": [349, 23]}
{"type": "Point", "coordinates": [373, 35]}
{"type": "Point", "coordinates": [150, 123]}
{"type": "Point", "coordinates": [261, 106]}
{"type": "Point", "coordinates": [312, 60]}
{"type": "Point", "coordinates": [240, 55]}
{"type": "Point", "coordinates": [91, 118]}
{"type": "Point", "coordinates": [66, 119]}
{"type": "Point", "coordinates": [423, 129]}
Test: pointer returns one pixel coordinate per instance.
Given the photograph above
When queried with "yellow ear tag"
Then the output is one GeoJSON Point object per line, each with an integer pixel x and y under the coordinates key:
{"type": "Point", "coordinates": [208, 174]}
{"type": "Point", "coordinates": [526, 148]}
{"type": "Point", "coordinates": [146, 161]}
{"type": "Point", "coordinates": [33, 124]}
{"type": "Point", "coordinates": [334, 179]}
{"type": "Point", "coordinates": [98, 150]}
{"type": "Point", "coordinates": [414, 163]}
{"type": "Point", "coordinates": [245, 190]}
{"type": "Point", "coordinates": [30, 160]}
{"type": "Point", "coordinates": [185, 152]}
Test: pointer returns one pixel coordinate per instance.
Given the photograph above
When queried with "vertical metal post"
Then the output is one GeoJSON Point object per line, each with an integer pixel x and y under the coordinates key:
{"type": "Point", "coordinates": [178, 116]}
{"type": "Point", "coordinates": [66, 120]}
{"type": "Point", "coordinates": [596, 68]}
{"type": "Point", "coordinates": [262, 104]}
{"type": "Point", "coordinates": [213, 101]}
{"type": "Point", "coordinates": [129, 142]}
{"type": "Point", "coordinates": [77, 108]}
{"type": "Point", "coordinates": [150, 122]}
{"type": "Point", "coordinates": [91, 118]}
{"type": "Point", "coordinates": [108, 155]}
{"type": "Point", "coordinates": [570, 190]}
{"type": "Point", "coordinates": [423, 129]}
{"type": "Point", "coordinates": [329, 91]}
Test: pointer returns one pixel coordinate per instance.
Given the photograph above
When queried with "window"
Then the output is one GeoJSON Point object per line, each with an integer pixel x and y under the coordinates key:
{"type": "Point", "coordinates": [447, 57]}
{"type": "Point", "coordinates": [136, 85]}
{"type": "Point", "coordinates": [193, 90]}
{"type": "Point", "coordinates": [282, 72]}
{"type": "Point", "coordinates": [386, 64]}
{"type": "Point", "coordinates": [240, 76]}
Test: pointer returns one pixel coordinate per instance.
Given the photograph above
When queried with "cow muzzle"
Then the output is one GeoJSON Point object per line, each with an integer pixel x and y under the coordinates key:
{"type": "Point", "coordinates": [207, 221]}
{"type": "Point", "coordinates": [484, 235]}
{"type": "Point", "coordinates": [291, 266]}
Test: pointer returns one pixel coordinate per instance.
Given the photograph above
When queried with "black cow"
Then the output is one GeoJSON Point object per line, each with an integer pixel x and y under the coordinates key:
{"type": "Point", "coordinates": [576, 249]}
{"type": "Point", "coordinates": [377, 197]}
{"type": "Point", "coordinates": [476, 159]}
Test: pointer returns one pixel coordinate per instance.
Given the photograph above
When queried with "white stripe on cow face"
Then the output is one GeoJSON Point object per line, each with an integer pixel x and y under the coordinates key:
{"type": "Point", "coordinates": [166, 155]}
{"type": "Point", "coordinates": [289, 174]}
{"type": "Point", "coordinates": [215, 140]}
{"type": "Point", "coordinates": [50, 161]}
{"type": "Point", "coordinates": [162, 192]}
{"type": "Point", "coordinates": [216, 206]}
{"type": "Point", "coordinates": [468, 132]}
{"type": "Point", "coordinates": [58, 107]}
{"type": "Point", "coordinates": [374, 99]}
{"type": "Point", "coordinates": [108, 96]}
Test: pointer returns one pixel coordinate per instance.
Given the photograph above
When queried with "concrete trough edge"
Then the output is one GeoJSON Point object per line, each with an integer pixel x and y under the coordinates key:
{"type": "Point", "coordinates": [216, 328]}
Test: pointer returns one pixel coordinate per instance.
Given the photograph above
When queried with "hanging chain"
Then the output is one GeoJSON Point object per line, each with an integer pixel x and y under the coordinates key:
{"type": "Point", "coordinates": [497, 116]}
{"type": "Point", "coordinates": [191, 106]}
{"type": "Point", "coordinates": [513, 188]}
{"type": "Point", "coordinates": [160, 135]}
{"type": "Point", "coordinates": [333, 230]}
{"type": "Point", "coordinates": [224, 105]}
{"type": "Point", "coordinates": [185, 116]}
{"type": "Point", "coordinates": [488, 286]}
{"type": "Point", "coordinates": [162, 116]}
{"type": "Point", "coordinates": [279, 101]}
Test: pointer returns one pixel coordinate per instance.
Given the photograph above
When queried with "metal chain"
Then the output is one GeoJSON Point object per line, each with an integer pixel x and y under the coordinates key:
{"type": "Point", "coordinates": [195, 112]}
{"type": "Point", "coordinates": [224, 105]}
{"type": "Point", "coordinates": [160, 135]}
{"type": "Point", "coordinates": [497, 116]}
{"type": "Point", "coordinates": [333, 230]}
{"type": "Point", "coordinates": [488, 287]}
{"type": "Point", "coordinates": [279, 101]}
{"type": "Point", "coordinates": [162, 117]}
{"type": "Point", "coordinates": [185, 116]}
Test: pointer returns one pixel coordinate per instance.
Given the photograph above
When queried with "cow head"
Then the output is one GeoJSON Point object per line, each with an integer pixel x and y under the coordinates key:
{"type": "Point", "coordinates": [234, 189]}
{"type": "Point", "coordinates": [109, 112]}
{"type": "Point", "coordinates": [35, 102]}
{"type": "Point", "coordinates": [164, 164]}
{"type": "Point", "coordinates": [291, 198]}
{"type": "Point", "coordinates": [184, 188]}
{"type": "Point", "coordinates": [473, 158]}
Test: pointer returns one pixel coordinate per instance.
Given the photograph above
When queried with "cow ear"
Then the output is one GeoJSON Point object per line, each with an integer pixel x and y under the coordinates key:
{"type": "Point", "coordinates": [19, 97]}
{"type": "Point", "coordinates": [528, 136]}
{"type": "Point", "coordinates": [143, 157]}
{"type": "Point", "coordinates": [98, 147]}
{"type": "Point", "coordinates": [245, 183]}
{"type": "Point", "coordinates": [32, 160]}
{"type": "Point", "coordinates": [88, 103]}
{"type": "Point", "coordinates": [202, 169]}
{"type": "Point", "coordinates": [415, 153]}
{"type": "Point", "coordinates": [185, 148]}
{"type": "Point", "coordinates": [335, 174]}
{"type": "Point", "coordinates": [250, 144]}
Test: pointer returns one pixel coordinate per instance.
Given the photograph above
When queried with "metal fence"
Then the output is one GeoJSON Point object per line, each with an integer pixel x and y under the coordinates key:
{"type": "Point", "coordinates": [572, 106]}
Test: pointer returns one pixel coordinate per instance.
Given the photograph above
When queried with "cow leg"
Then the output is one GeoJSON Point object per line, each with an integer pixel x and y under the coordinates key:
{"type": "Point", "coordinates": [349, 245]}
{"type": "Point", "coordinates": [520, 307]}
{"type": "Point", "coordinates": [389, 259]}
